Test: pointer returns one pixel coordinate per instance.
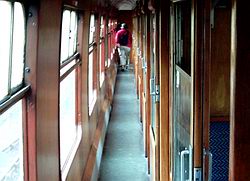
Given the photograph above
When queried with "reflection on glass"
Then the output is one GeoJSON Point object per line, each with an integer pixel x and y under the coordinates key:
{"type": "Point", "coordinates": [72, 38]}
{"type": "Point", "coordinates": [18, 46]}
{"type": "Point", "coordinates": [92, 28]}
{"type": "Point", "coordinates": [101, 58]}
{"type": "Point", "coordinates": [91, 94]}
{"type": "Point", "coordinates": [182, 125]}
{"type": "Point", "coordinates": [68, 128]}
{"type": "Point", "coordinates": [69, 34]}
{"type": "Point", "coordinates": [11, 144]}
{"type": "Point", "coordinates": [5, 32]}
{"type": "Point", "coordinates": [65, 35]}
{"type": "Point", "coordinates": [102, 27]}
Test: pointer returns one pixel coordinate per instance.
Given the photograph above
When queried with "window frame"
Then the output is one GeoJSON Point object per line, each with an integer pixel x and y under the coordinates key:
{"type": "Point", "coordinates": [92, 84]}
{"type": "Point", "coordinates": [72, 63]}
{"type": "Point", "coordinates": [13, 92]}
{"type": "Point", "coordinates": [102, 50]}
{"type": "Point", "coordinates": [22, 91]}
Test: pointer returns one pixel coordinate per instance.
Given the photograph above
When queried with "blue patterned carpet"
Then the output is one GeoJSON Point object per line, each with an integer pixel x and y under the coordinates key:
{"type": "Point", "coordinates": [219, 144]}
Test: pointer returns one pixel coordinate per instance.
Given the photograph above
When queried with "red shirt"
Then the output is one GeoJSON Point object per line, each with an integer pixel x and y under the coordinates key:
{"type": "Point", "coordinates": [120, 33]}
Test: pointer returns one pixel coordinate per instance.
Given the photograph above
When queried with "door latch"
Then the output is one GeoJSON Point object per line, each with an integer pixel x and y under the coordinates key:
{"type": "Point", "coordinates": [197, 174]}
{"type": "Point", "coordinates": [157, 93]}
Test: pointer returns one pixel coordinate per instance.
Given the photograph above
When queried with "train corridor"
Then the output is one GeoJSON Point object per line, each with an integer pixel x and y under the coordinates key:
{"type": "Point", "coordinates": [123, 154]}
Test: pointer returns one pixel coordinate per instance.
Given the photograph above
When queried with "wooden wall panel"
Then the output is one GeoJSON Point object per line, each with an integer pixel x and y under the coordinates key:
{"type": "Point", "coordinates": [31, 62]}
{"type": "Point", "coordinates": [164, 90]}
{"type": "Point", "coordinates": [240, 92]}
{"type": "Point", "coordinates": [220, 63]}
{"type": "Point", "coordinates": [47, 90]}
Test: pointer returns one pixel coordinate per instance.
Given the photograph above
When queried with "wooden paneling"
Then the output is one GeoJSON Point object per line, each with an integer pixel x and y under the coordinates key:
{"type": "Point", "coordinates": [47, 120]}
{"type": "Point", "coordinates": [240, 92]}
{"type": "Point", "coordinates": [164, 91]}
{"type": "Point", "coordinates": [197, 8]}
{"type": "Point", "coordinates": [31, 55]}
{"type": "Point", "coordinates": [206, 85]}
{"type": "Point", "coordinates": [220, 63]}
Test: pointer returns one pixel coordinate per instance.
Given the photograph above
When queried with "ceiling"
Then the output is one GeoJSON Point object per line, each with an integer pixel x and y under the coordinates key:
{"type": "Point", "coordinates": [123, 4]}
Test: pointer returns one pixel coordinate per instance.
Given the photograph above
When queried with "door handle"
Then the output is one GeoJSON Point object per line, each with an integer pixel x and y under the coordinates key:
{"type": "Point", "coordinates": [208, 154]}
{"type": "Point", "coordinates": [190, 155]}
{"type": "Point", "coordinates": [152, 86]}
{"type": "Point", "coordinates": [183, 153]}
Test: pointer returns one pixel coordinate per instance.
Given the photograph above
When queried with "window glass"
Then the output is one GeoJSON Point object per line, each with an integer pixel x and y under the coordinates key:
{"type": "Point", "coordinates": [18, 46]}
{"type": "Point", "coordinates": [68, 34]}
{"type": "Point", "coordinates": [70, 131]}
{"type": "Point", "coordinates": [102, 27]}
{"type": "Point", "coordinates": [90, 78]}
{"type": "Point", "coordinates": [101, 53]}
{"type": "Point", "coordinates": [92, 29]}
{"type": "Point", "coordinates": [5, 37]}
{"type": "Point", "coordinates": [67, 116]}
{"type": "Point", "coordinates": [65, 35]}
{"type": "Point", "coordinates": [11, 144]}
{"type": "Point", "coordinates": [73, 33]}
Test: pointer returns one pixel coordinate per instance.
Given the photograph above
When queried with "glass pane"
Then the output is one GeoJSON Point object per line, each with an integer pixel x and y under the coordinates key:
{"type": "Point", "coordinates": [67, 67]}
{"type": "Point", "coordinates": [73, 34]}
{"type": "Point", "coordinates": [90, 76]}
{"type": "Point", "coordinates": [68, 128]}
{"type": "Point", "coordinates": [18, 46]}
{"type": "Point", "coordinates": [11, 144]}
{"type": "Point", "coordinates": [5, 31]}
{"type": "Point", "coordinates": [102, 27]}
{"type": "Point", "coordinates": [65, 35]}
{"type": "Point", "coordinates": [182, 125]}
{"type": "Point", "coordinates": [182, 103]}
{"type": "Point", "coordinates": [91, 29]}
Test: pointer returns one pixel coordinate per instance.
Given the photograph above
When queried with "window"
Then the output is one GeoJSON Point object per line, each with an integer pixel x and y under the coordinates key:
{"type": "Point", "coordinates": [12, 90]}
{"type": "Point", "coordinates": [91, 65]}
{"type": "Point", "coordinates": [102, 51]}
{"type": "Point", "coordinates": [69, 34]}
{"type": "Point", "coordinates": [182, 34]}
{"type": "Point", "coordinates": [12, 36]}
{"type": "Point", "coordinates": [70, 129]}
{"type": "Point", "coordinates": [152, 73]}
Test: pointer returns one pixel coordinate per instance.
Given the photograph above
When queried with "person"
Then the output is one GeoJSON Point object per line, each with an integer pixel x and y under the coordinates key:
{"type": "Point", "coordinates": [123, 42]}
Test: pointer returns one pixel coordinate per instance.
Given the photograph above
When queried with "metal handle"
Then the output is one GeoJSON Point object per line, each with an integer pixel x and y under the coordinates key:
{"type": "Point", "coordinates": [208, 154]}
{"type": "Point", "coordinates": [210, 159]}
{"type": "Point", "coordinates": [183, 153]}
{"type": "Point", "coordinates": [152, 85]}
{"type": "Point", "coordinates": [190, 164]}
{"type": "Point", "coordinates": [144, 64]}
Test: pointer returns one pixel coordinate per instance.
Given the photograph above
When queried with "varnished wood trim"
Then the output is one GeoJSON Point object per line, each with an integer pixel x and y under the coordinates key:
{"type": "Point", "coordinates": [69, 60]}
{"type": "Point", "coordinates": [197, 83]}
{"type": "Point", "coordinates": [14, 99]}
{"type": "Point", "coordinates": [63, 76]}
{"type": "Point", "coordinates": [164, 91]}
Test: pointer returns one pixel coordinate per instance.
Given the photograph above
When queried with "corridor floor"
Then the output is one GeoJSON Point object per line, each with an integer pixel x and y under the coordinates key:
{"type": "Point", "coordinates": [123, 155]}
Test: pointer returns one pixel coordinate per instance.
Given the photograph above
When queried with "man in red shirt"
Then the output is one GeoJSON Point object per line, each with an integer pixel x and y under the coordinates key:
{"type": "Point", "coordinates": [123, 41]}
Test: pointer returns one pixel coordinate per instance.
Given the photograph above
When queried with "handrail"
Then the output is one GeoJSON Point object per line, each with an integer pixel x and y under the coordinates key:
{"type": "Point", "coordinates": [14, 98]}
{"type": "Point", "coordinates": [70, 59]}
{"type": "Point", "coordinates": [69, 70]}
